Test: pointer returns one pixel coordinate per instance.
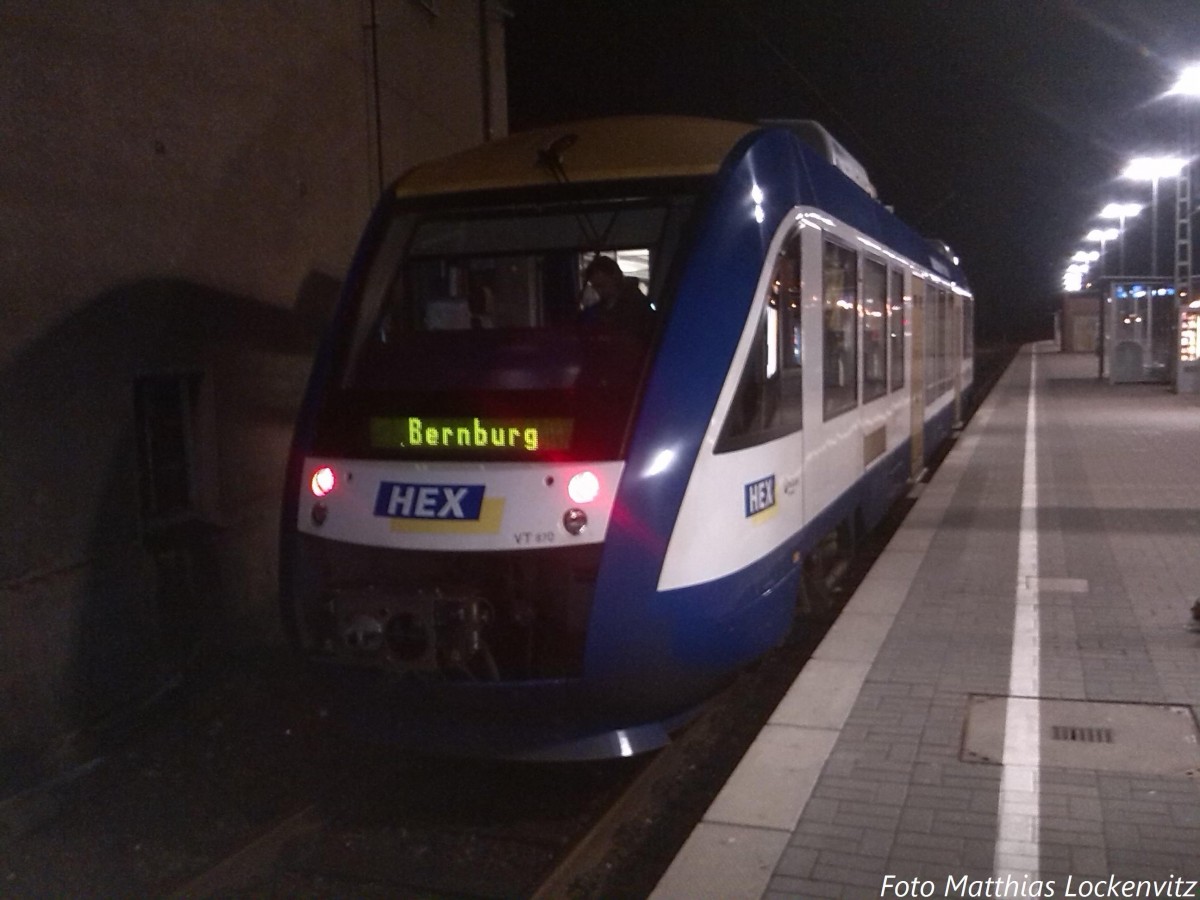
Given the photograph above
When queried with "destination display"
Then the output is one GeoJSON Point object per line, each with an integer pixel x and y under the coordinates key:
{"type": "Point", "coordinates": [525, 435]}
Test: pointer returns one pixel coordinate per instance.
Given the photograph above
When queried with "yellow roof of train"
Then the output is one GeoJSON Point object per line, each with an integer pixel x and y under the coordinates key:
{"type": "Point", "coordinates": [603, 150]}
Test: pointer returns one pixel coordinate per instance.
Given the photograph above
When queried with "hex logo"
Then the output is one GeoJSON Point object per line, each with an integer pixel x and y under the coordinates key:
{"type": "Point", "coordinates": [760, 495]}
{"type": "Point", "coordinates": [444, 502]}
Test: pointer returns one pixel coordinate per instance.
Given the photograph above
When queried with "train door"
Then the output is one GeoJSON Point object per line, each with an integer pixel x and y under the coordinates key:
{"type": "Point", "coordinates": [916, 386]}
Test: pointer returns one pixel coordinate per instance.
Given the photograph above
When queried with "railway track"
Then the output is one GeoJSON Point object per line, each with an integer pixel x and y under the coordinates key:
{"type": "Point", "coordinates": [249, 792]}
{"type": "Point", "coordinates": [427, 828]}
{"type": "Point", "coordinates": [417, 827]}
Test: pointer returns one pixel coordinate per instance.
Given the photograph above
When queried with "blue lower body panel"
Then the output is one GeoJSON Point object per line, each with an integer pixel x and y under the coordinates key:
{"type": "Point", "coordinates": [542, 720]}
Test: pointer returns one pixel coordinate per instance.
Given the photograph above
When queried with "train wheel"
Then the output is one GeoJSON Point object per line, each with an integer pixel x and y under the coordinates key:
{"type": "Point", "coordinates": [816, 601]}
{"type": "Point", "coordinates": [820, 597]}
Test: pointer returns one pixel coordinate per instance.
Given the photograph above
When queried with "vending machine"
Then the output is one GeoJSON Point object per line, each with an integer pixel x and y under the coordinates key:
{"type": "Point", "coordinates": [1188, 376]}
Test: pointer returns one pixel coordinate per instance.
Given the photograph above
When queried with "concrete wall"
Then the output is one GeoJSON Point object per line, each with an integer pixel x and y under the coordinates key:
{"type": "Point", "coordinates": [1080, 323]}
{"type": "Point", "coordinates": [181, 188]}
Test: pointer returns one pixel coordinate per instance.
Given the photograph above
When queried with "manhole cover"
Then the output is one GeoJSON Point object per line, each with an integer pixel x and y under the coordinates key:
{"type": "Point", "coordinates": [1139, 738]}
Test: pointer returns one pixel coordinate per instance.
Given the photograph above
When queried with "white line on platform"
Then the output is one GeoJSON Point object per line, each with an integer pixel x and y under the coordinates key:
{"type": "Point", "coordinates": [1018, 838]}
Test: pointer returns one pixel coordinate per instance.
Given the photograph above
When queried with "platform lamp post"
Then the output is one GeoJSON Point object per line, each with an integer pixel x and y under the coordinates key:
{"type": "Point", "coordinates": [1121, 212]}
{"type": "Point", "coordinates": [1152, 168]}
{"type": "Point", "coordinates": [1102, 236]}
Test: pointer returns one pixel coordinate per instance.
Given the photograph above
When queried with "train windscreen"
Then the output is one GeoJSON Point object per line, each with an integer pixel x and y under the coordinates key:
{"type": "Point", "coordinates": [498, 333]}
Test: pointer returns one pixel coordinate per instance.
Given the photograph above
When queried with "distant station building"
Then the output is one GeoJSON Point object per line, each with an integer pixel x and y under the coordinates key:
{"type": "Point", "coordinates": [182, 187]}
{"type": "Point", "coordinates": [1078, 321]}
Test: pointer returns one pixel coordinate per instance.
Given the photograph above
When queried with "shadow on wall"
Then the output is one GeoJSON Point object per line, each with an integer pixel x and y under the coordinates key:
{"type": "Point", "coordinates": [142, 458]}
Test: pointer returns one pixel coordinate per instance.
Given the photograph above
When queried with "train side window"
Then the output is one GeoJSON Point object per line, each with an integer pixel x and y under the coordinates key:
{"type": "Point", "coordinates": [946, 304]}
{"type": "Point", "coordinates": [896, 328]}
{"type": "Point", "coordinates": [933, 336]}
{"type": "Point", "coordinates": [874, 338]}
{"type": "Point", "coordinates": [968, 327]}
{"type": "Point", "coordinates": [938, 307]}
{"type": "Point", "coordinates": [840, 293]}
{"type": "Point", "coordinates": [767, 403]}
{"type": "Point", "coordinates": [786, 297]}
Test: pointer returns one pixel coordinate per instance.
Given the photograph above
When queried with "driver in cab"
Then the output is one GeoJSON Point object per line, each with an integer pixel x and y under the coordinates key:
{"type": "Point", "coordinates": [615, 300]}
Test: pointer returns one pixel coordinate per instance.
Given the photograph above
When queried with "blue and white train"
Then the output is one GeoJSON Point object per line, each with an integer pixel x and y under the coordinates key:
{"type": "Point", "coordinates": [514, 530]}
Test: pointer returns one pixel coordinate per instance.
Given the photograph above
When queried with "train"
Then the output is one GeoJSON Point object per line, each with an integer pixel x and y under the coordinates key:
{"type": "Point", "coordinates": [515, 527]}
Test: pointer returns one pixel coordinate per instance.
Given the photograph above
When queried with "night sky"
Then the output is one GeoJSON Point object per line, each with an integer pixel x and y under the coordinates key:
{"type": "Point", "coordinates": [1000, 126]}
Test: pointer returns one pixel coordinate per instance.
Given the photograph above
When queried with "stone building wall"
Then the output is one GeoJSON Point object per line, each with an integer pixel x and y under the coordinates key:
{"type": "Point", "coordinates": [181, 188]}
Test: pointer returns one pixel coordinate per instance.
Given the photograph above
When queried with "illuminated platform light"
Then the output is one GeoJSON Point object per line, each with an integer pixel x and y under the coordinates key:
{"type": "Point", "coordinates": [1151, 168]}
{"type": "Point", "coordinates": [1188, 83]}
{"type": "Point", "coordinates": [1120, 210]}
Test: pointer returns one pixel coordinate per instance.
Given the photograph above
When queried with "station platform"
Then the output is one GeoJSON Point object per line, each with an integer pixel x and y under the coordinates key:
{"type": "Point", "coordinates": [1007, 707]}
